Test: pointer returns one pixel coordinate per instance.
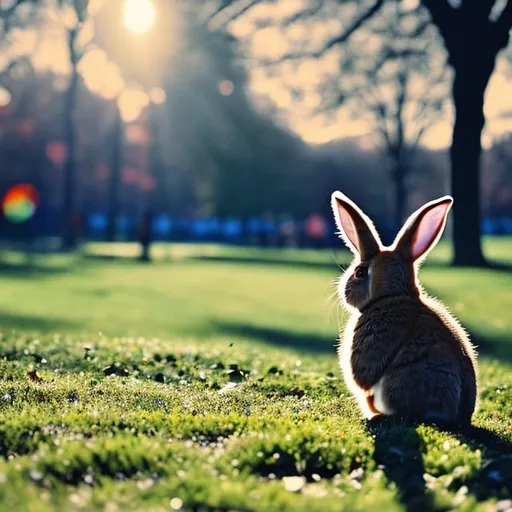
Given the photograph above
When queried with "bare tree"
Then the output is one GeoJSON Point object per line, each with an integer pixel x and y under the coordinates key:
{"type": "Point", "coordinates": [401, 90]}
{"type": "Point", "coordinates": [474, 32]}
{"type": "Point", "coordinates": [72, 17]}
{"type": "Point", "coordinates": [16, 14]}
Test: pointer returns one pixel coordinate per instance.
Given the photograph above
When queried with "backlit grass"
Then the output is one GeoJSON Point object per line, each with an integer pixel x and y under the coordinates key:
{"type": "Point", "coordinates": [208, 380]}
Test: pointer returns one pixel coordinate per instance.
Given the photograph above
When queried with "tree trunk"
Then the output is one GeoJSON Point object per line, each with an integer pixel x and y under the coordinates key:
{"type": "Point", "coordinates": [68, 210]}
{"type": "Point", "coordinates": [400, 195]}
{"type": "Point", "coordinates": [468, 95]}
{"type": "Point", "coordinates": [115, 175]}
{"type": "Point", "coordinates": [159, 198]}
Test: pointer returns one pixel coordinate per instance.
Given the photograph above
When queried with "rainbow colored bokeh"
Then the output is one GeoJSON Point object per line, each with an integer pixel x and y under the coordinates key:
{"type": "Point", "coordinates": [20, 203]}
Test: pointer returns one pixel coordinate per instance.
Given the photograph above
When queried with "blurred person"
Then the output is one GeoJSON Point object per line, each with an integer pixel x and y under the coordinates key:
{"type": "Point", "coordinates": [200, 229]}
{"type": "Point", "coordinates": [316, 229]}
{"type": "Point", "coordinates": [232, 229]}
{"type": "Point", "coordinates": [145, 235]}
{"type": "Point", "coordinates": [255, 231]}
{"type": "Point", "coordinates": [270, 230]}
{"type": "Point", "coordinates": [77, 227]}
{"type": "Point", "coordinates": [214, 227]}
{"type": "Point", "coordinates": [288, 231]}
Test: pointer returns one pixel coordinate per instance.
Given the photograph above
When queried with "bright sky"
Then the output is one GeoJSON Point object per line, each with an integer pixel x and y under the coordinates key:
{"type": "Point", "coordinates": [103, 77]}
{"type": "Point", "coordinates": [139, 16]}
{"type": "Point", "coordinates": [273, 42]}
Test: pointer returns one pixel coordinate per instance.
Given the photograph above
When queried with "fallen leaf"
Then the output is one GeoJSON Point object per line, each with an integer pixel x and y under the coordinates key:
{"type": "Point", "coordinates": [32, 375]}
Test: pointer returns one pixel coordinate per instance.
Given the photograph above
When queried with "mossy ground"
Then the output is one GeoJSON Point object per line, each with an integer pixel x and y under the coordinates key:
{"type": "Point", "coordinates": [209, 381]}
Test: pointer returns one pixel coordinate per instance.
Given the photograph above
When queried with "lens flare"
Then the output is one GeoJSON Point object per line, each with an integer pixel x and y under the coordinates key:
{"type": "Point", "coordinates": [226, 87]}
{"type": "Point", "coordinates": [20, 203]}
{"type": "Point", "coordinates": [139, 15]}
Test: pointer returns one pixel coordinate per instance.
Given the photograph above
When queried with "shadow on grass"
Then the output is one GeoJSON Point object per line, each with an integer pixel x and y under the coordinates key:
{"type": "Point", "coordinates": [131, 259]}
{"type": "Point", "coordinates": [25, 323]}
{"type": "Point", "coordinates": [27, 270]}
{"type": "Point", "coordinates": [332, 262]}
{"type": "Point", "coordinates": [399, 452]}
{"type": "Point", "coordinates": [499, 347]}
{"type": "Point", "coordinates": [494, 478]}
{"type": "Point", "coordinates": [312, 342]}
{"type": "Point", "coordinates": [107, 257]}
{"type": "Point", "coordinates": [495, 347]}
{"type": "Point", "coordinates": [270, 261]}
{"type": "Point", "coordinates": [497, 266]}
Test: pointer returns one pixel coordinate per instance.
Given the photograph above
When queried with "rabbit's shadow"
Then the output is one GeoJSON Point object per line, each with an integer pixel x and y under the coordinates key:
{"type": "Point", "coordinates": [494, 477]}
{"type": "Point", "coordinates": [399, 452]}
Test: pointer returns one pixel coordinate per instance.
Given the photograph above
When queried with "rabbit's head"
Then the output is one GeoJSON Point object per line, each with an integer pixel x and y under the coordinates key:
{"type": "Point", "coordinates": [379, 271]}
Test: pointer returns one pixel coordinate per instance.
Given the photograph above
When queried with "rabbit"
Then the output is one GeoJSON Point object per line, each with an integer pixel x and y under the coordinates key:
{"type": "Point", "coordinates": [402, 353]}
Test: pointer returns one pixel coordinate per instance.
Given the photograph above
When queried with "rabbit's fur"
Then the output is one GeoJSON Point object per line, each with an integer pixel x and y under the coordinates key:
{"type": "Point", "coordinates": [402, 352]}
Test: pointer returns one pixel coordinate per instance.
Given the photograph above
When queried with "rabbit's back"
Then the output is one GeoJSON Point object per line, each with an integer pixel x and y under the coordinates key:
{"type": "Point", "coordinates": [464, 352]}
{"type": "Point", "coordinates": [414, 360]}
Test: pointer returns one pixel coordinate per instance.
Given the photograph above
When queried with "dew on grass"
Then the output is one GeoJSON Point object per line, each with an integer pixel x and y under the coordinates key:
{"type": "Point", "coordinates": [294, 483]}
{"type": "Point", "coordinates": [145, 484]}
{"type": "Point", "coordinates": [36, 475]}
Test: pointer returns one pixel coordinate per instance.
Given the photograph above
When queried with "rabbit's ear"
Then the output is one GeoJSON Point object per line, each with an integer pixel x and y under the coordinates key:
{"type": "Point", "coordinates": [355, 227]}
{"type": "Point", "coordinates": [423, 229]}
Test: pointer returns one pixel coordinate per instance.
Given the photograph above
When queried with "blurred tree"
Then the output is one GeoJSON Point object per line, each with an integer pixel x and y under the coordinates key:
{"type": "Point", "coordinates": [72, 17]}
{"type": "Point", "coordinates": [497, 182]}
{"type": "Point", "coordinates": [116, 143]}
{"type": "Point", "coordinates": [206, 137]}
{"type": "Point", "coordinates": [394, 76]}
{"type": "Point", "coordinates": [14, 14]}
{"type": "Point", "coordinates": [8, 10]}
{"type": "Point", "coordinates": [474, 32]}
{"type": "Point", "coordinates": [233, 148]}
{"type": "Point", "coordinates": [144, 60]}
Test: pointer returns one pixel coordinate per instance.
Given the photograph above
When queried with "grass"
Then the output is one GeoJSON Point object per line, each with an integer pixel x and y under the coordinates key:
{"type": "Point", "coordinates": [208, 381]}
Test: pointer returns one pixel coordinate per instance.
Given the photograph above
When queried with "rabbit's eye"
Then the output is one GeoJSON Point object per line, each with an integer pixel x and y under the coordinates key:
{"type": "Point", "coordinates": [361, 272]}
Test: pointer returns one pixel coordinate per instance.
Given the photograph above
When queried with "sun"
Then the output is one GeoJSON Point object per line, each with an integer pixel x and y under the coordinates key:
{"type": "Point", "coordinates": [139, 15]}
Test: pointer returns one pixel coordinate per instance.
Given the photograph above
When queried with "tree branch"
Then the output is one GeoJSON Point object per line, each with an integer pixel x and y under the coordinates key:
{"type": "Point", "coordinates": [478, 10]}
{"type": "Point", "coordinates": [304, 13]}
{"type": "Point", "coordinates": [331, 43]}
{"type": "Point", "coordinates": [7, 70]}
{"type": "Point", "coordinates": [445, 18]}
{"type": "Point", "coordinates": [506, 15]}
{"type": "Point", "coordinates": [226, 6]}
{"type": "Point", "coordinates": [503, 25]}
{"type": "Point", "coordinates": [361, 20]}
{"type": "Point", "coordinates": [6, 13]}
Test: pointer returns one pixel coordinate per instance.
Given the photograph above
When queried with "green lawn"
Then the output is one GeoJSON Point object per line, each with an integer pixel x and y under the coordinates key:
{"type": "Point", "coordinates": [208, 380]}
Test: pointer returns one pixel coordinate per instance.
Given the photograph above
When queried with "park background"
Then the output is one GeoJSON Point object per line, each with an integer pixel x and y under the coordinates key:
{"type": "Point", "coordinates": [168, 257]}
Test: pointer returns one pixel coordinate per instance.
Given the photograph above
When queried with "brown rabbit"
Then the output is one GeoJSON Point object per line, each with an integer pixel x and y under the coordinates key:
{"type": "Point", "coordinates": [403, 353]}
